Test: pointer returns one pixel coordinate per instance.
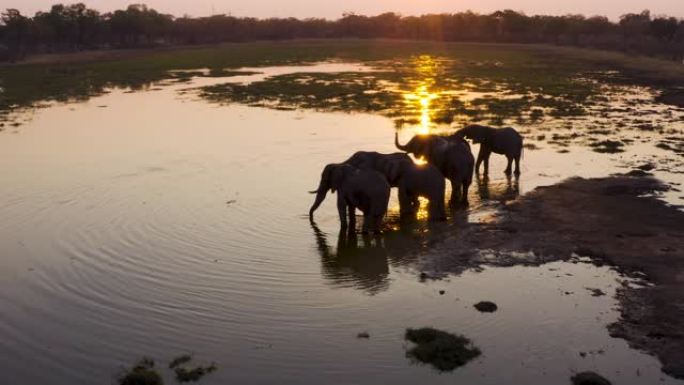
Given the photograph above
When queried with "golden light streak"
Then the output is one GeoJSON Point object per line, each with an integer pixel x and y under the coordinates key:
{"type": "Point", "coordinates": [421, 98]}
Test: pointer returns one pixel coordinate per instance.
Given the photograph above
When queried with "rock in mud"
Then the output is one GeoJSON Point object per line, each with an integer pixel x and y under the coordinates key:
{"type": "Point", "coordinates": [596, 292]}
{"type": "Point", "coordinates": [608, 146]}
{"type": "Point", "coordinates": [443, 350]}
{"type": "Point", "coordinates": [638, 173]}
{"type": "Point", "coordinates": [363, 335]}
{"type": "Point", "coordinates": [486, 307]}
{"type": "Point", "coordinates": [646, 167]}
{"type": "Point", "coordinates": [589, 378]}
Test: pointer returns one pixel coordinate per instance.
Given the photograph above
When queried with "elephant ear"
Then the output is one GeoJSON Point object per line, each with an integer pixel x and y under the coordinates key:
{"type": "Point", "coordinates": [337, 174]}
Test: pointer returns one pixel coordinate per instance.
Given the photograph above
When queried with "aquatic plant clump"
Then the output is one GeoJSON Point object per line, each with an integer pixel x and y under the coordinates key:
{"type": "Point", "coordinates": [194, 374]}
{"type": "Point", "coordinates": [443, 350]}
{"type": "Point", "coordinates": [589, 378]}
{"type": "Point", "coordinates": [180, 360]}
{"type": "Point", "coordinates": [142, 373]}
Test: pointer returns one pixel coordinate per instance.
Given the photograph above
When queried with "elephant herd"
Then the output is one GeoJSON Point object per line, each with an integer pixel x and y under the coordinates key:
{"type": "Point", "coordinates": [364, 180]}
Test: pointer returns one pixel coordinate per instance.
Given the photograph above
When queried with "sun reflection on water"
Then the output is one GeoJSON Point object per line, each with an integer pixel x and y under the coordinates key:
{"type": "Point", "coordinates": [422, 212]}
{"type": "Point", "coordinates": [421, 97]}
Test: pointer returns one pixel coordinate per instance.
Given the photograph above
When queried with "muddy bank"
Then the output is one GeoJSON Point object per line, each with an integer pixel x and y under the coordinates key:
{"type": "Point", "coordinates": [613, 220]}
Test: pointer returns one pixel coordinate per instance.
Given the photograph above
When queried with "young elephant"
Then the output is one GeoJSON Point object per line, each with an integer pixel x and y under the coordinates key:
{"type": "Point", "coordinates": [365, 189]}
{"type": "Point", "coordinates": [412, 180]}
{"type": "Point", "coordinates": [452, 158]}
{"type": "Point", "coordinates": [506, 141]}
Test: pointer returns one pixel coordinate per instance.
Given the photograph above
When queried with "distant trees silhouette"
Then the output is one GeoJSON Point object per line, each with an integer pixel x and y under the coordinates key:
{"type": "Point", "coordinates": [75, 27]}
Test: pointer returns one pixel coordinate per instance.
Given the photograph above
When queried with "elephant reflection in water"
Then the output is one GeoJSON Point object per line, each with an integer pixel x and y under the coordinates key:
{"type": "Point", "coordinates": [502, 190]}
{"type": "Point", "coordinates": [363, 262]}
{"type": "Point", "coordinates": [362, 266]}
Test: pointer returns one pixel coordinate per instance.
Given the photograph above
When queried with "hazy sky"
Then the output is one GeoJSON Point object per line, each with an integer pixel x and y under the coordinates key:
{"type": "Point", "coordinates": [334, 9]}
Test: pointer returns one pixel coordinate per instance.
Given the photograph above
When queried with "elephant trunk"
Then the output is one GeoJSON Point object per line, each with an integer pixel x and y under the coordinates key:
{"type": "Point", "coordinates": [396, 142]}
{"type": "Point", "coordinates": [460, 134]}
{"type": "Point", "coordinates": [320, 196]}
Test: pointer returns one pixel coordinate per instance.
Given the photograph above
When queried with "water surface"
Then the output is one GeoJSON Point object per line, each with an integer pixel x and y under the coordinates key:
{"type": "Point", "coordinates": [155, 223]}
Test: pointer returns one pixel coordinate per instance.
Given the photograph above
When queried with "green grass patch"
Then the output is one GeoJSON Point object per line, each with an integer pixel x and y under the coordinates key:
{"type": "Point", "coordinates": [528, 70]}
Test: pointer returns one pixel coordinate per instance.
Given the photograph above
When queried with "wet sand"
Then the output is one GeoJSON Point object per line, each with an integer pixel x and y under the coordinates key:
{"type": "Point", "coordinates": [615, 220]}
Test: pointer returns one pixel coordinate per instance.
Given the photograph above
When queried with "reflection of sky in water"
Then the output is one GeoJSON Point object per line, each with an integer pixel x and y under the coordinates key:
{"type": "Point", "coordinates": [161, 224]}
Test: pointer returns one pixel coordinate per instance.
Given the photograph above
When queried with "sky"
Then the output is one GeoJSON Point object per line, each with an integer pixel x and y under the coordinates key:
{"type": "Point", "coordinates": [334, 9]}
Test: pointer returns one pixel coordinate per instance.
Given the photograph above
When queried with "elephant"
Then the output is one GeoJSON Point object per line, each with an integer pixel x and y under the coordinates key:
{"type": "Point", "coordinates": [506, 141]}
{"type": "Point", "coordinates": [365, 189]}
{"type": "Point", "coordinates": [453, 158]}
{"type": "Point", "coordinates": [412, 181]}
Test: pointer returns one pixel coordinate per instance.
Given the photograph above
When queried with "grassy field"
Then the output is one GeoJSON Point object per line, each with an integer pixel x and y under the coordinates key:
{"type": "Point", "coordinates": [539, 79]}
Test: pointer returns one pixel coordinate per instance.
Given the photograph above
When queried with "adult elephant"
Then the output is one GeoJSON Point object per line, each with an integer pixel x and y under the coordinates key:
{"type": "Point", "coordinates": [412, 181]}
{"type": "Point", "coordinates": [453, 158]}
{"type": "Point", "coordinates": [365, 189]}
{"type": "Point", "coordinates": [506, 141]}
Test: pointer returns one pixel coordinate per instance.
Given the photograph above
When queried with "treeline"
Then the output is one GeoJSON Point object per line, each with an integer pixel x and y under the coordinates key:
{"type": "Point", "coordinates": [76, 27]}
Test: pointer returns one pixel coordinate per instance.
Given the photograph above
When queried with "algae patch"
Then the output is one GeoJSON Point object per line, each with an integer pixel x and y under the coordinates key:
{"type": "Point", "coordinates": [443, 350]}
{"type": "Point", "coordinates": [142, 373]}
{"type": "Point", "coordinates": [193, 374]}
{"type": "Point", "coordinates": [186, 374]}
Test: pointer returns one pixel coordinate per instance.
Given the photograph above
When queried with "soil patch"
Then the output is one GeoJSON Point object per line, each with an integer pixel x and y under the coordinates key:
{"type": "Point", "coordinates": [615, 220]}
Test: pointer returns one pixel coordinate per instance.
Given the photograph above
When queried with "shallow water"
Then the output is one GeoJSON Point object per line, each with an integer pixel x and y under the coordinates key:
{"type": "Point", "coordinates": [153, 223]}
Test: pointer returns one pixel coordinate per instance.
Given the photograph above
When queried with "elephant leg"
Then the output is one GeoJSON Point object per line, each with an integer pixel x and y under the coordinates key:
{"type": "Point", "coordinates": [480, 158]}
{"type": "Point", "coordinates": [507, 171]}
{"type": "Point", "coordinates": [455, 191]}
{"type": "Point", "coordinates": [405, 203]}
{"type": "Point", "coordinates": [352, 216]}
{"type": "Point", "coordinates": [342, 211]}
{"type": "Point", "coordinates": [517, 165]}
{"type": "Point", "coordinates": [483, 157]}
{"type": "Point", "coordinates": [436, 211]}
{"type": "Point", "coordinates": [464, 194]}
{"type": "Point", "coordinates": [367, 219]}
{"type": "Point", "coordinates": [376, 224]}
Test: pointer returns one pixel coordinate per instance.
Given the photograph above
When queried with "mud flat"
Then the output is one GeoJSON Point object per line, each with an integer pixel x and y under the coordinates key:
{"type": "Point", "coordinates": [616, 220]}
